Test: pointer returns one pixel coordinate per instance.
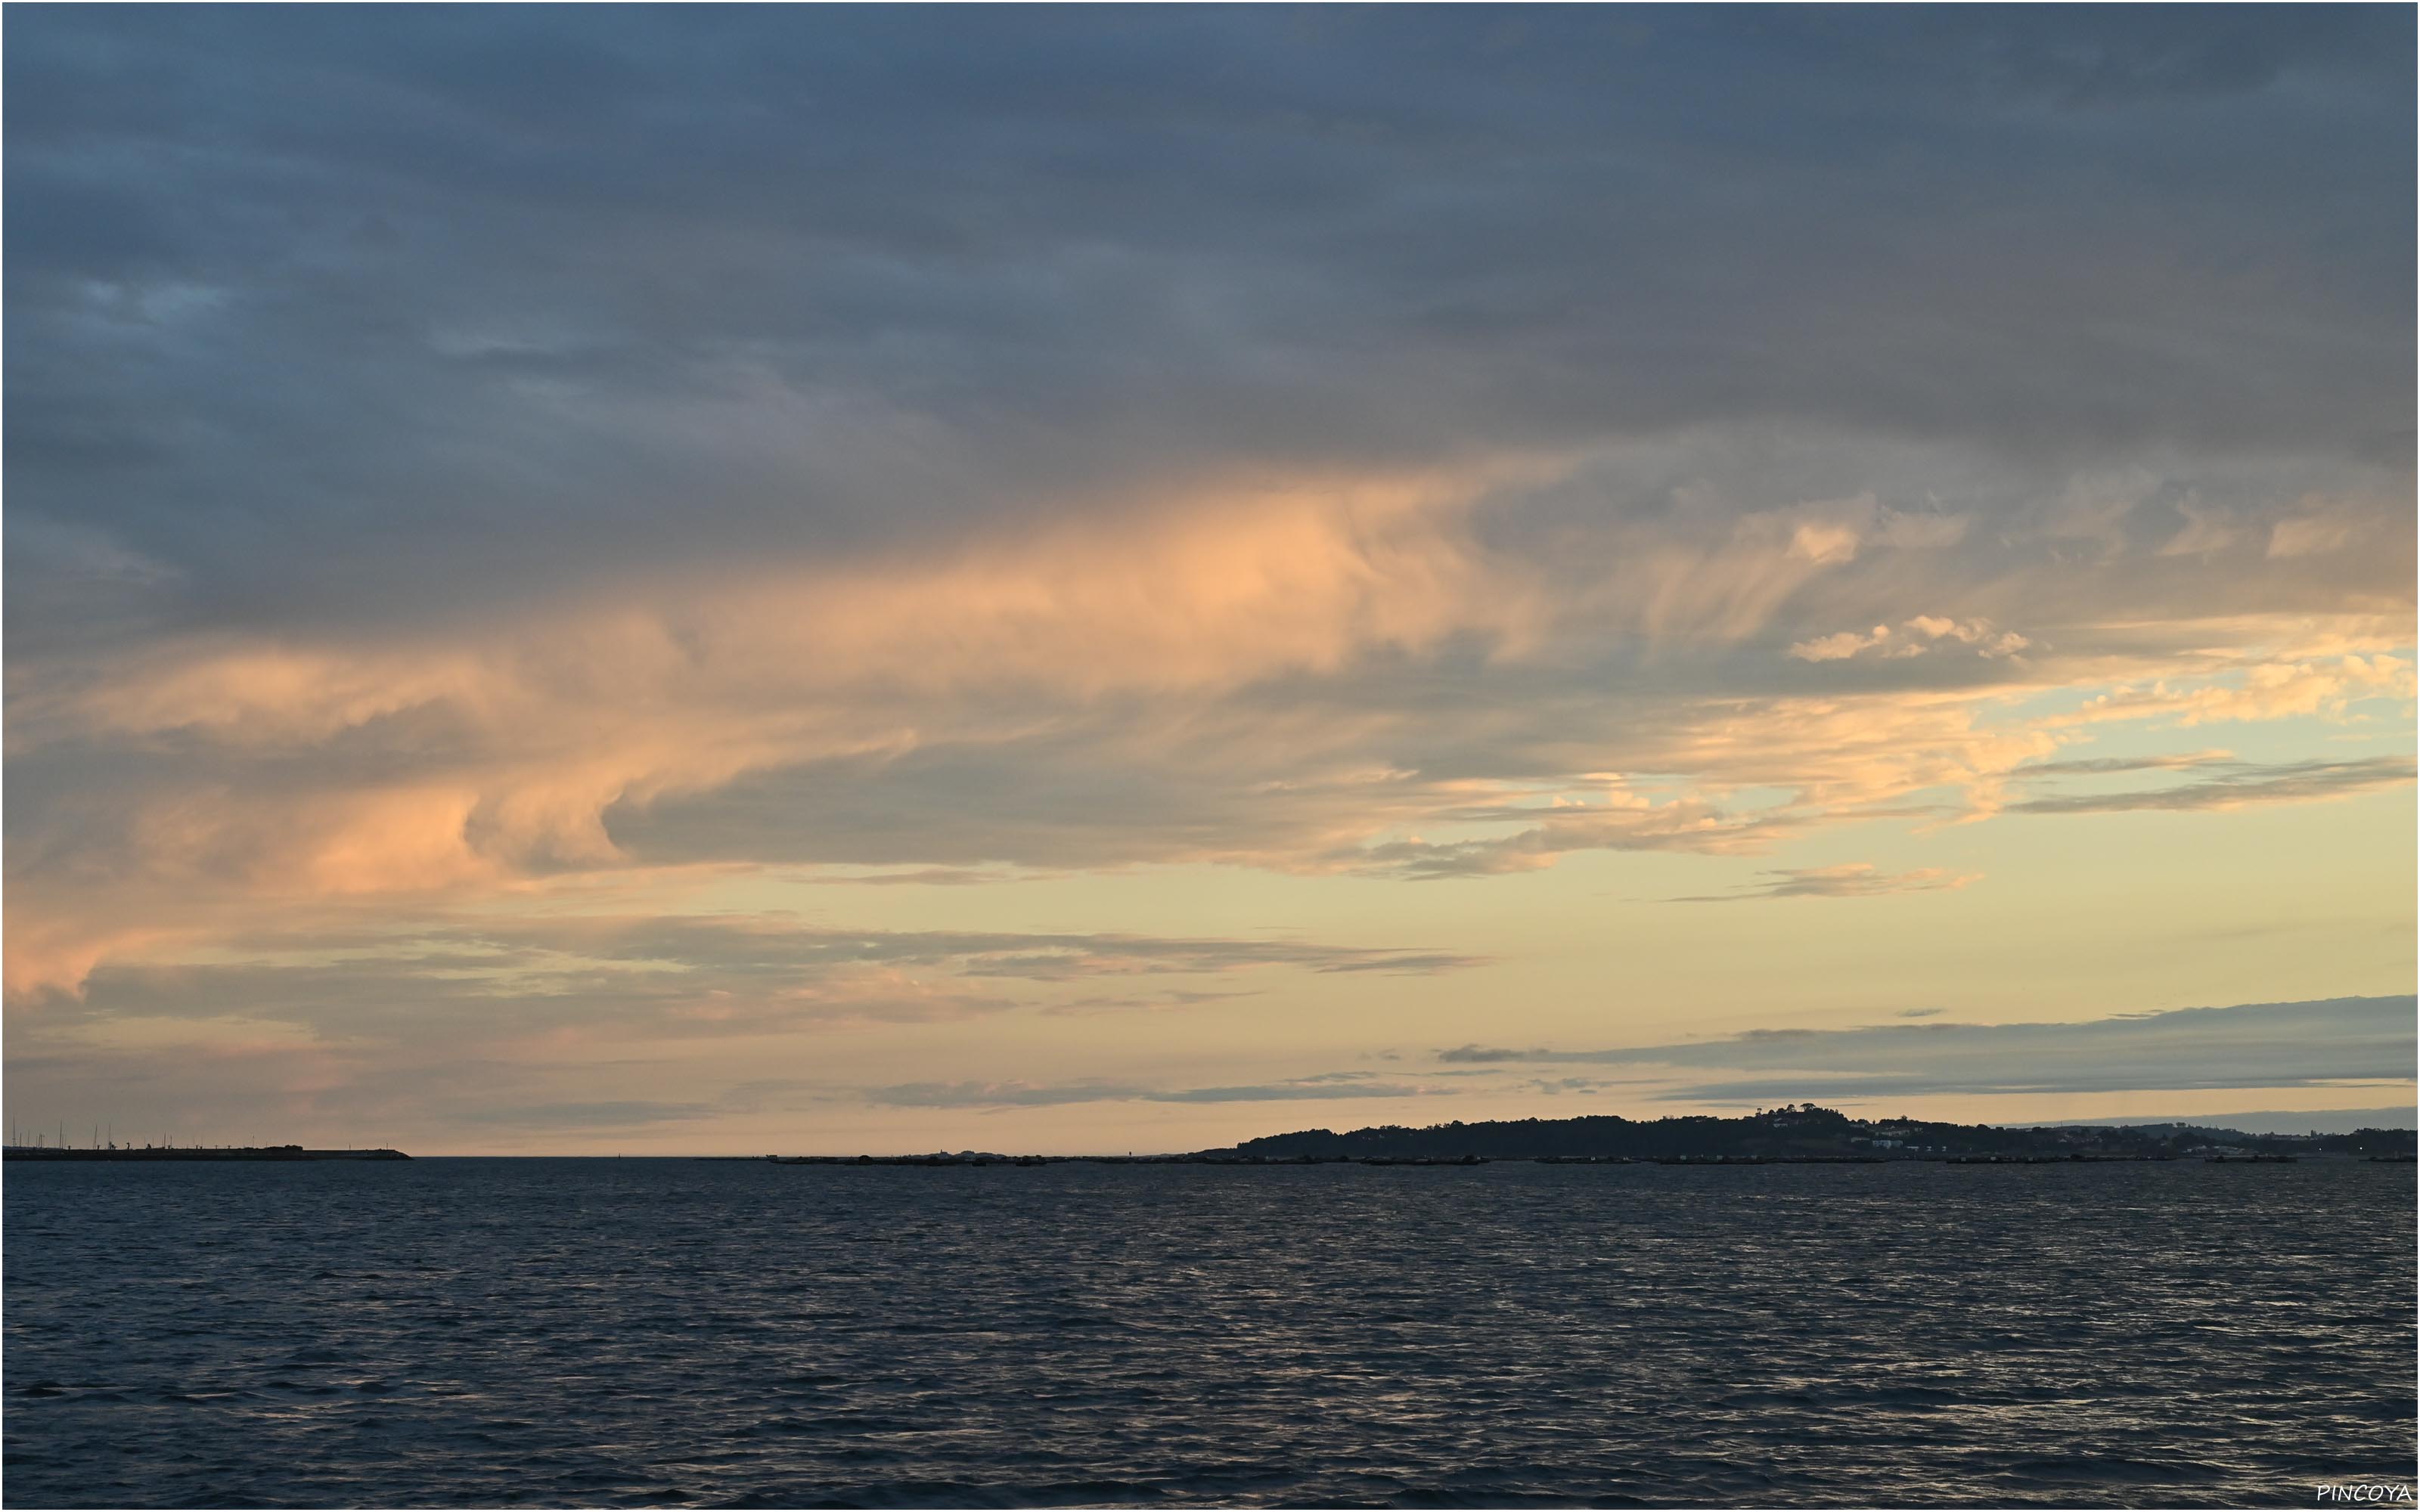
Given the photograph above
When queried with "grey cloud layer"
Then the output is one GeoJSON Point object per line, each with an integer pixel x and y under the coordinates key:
{"type": "Point", "coordinates": [2359, 1040]}
{"type": "Point", "coordinates": [1856, 880]}
{"type": "Point", "coordinates": [396, 297]}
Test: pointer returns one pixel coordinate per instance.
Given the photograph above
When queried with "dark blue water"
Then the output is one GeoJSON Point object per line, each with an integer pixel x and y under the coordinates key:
{"type": "Point", "coordinates": [497, 1333]}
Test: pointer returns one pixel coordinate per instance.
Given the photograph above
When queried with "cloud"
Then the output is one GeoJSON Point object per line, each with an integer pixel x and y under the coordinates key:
{"type": "Point", "coordinates": [928, 876]}
{"type": "Point", "coordinates": [1381, 674]}
{"type": "Point", "coordinates": [681, 977]}
{"type": "Point", "coordinates": [622, 1115]}
{"type": "Point", "coordinates": [2103, 765]}
{"type": "Point", "coordinates": [1855, 879]}
{"type": "Point", "coordinates": [2248, 783]}
{"type": "Point", "coordinates": [2266, 690]}
{"type": "Point", "coordinates": [1167, 1000]}
{"type": "Point", "coordinates": [2322, 526]}
{"type": "Point", "coordinates": [1479, 1054]}
{"type": "Point", "coordinates": [2366, 1040]}
{"type": "Point", "coordinates": [637, 290]}
{"type": "Point", "coordinates": [1624, 822]}
{"type": "Point", "coordinates": [549, 1025]}
{"type": "Point", "coordinates": [2206, 530]}
{"type": "Point", "coordinates": [1583, 1085]}
{"type": "Point", "coordinates": [2294, 1122]}
{"type": "Point", "coordinates": [1026, 1094]}
{"type": "Point", "coordinates": [1912, 637]}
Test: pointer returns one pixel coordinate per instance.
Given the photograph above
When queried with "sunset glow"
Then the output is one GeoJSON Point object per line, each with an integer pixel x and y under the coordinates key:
{"type": "Point", "coordinates": [1107, 583]}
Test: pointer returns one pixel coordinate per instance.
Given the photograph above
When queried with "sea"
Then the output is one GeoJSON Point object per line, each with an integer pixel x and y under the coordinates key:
{"type": "Point", "coordinates": [693, 1332]}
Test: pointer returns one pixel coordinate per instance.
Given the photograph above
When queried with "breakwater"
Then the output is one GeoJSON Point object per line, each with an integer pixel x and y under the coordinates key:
{"type": "Point", "coordinates": [192, 1153]}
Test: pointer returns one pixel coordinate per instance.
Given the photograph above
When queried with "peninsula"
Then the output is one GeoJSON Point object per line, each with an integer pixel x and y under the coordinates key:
{"type": "Point", "coordinates": [1804, 1131]}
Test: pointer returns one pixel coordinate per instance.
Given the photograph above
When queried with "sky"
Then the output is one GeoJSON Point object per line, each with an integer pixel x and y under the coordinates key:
{"type": "Point", "coordinates": [838, 580]}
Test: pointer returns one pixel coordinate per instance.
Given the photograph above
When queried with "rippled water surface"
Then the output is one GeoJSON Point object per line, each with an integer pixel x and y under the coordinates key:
{"type": "Point", "coordinates": [499, 1331]}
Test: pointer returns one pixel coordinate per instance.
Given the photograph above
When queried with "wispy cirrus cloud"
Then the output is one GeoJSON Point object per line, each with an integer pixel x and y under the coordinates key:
{"type": "Point", "coordinates": [2104, 766]}
{"type": "Point", "coordinates": [1028, 1094]}
{"type": "Point", "coordinates": [1625, 822]}
{"type": "Point", "coordinates": [1854, 879]}
{"type": "Point", "coordinates": [2241, 785]}
{"type": "Point", "coordinates": [712, 972]}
